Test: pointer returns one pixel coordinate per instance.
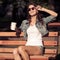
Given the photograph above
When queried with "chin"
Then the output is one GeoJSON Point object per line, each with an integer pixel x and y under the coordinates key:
{"type": "Point", "coordinates": [33, 15]}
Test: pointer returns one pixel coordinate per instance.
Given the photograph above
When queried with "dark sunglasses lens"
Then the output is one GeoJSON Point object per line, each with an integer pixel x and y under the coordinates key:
{"type": "Point", "coordinates": [33, 8]}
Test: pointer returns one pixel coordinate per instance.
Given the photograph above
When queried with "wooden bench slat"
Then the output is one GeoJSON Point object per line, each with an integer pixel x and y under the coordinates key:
{"type": "Point", "coordinates": [54, 24]}
{"type": "Point", "coordinates": [53, 34]}
{"type": "Point", "coordinates": [50, 43]}
{"type": "Point", "coordinates": [10, 50]}
{"type": "Point", "coordinates": [22, 34]}
{"type": "Point", "coordinates": [9, 34]}
{"type": "Point", "coordinates": [6, 42]}
{"type": "Point", "coordinates": [37, 57]}
{"type": "Point", "coordinates": [50, 51]}
{"type": "Point", "coordinates": [6, 50]}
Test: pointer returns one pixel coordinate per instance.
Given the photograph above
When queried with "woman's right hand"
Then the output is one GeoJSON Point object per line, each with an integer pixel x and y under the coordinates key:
{"type": "Point", "coordinates": [18, 31]}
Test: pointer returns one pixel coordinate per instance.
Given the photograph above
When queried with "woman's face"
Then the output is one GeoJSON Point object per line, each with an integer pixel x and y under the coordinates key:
{"type": "Point", "coordinates": [32, 10]}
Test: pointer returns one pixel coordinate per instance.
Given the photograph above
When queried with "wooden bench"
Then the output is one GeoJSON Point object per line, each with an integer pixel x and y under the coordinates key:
{"type": "Point", "coordinates": [7, 44]}
{"type": "Point", "coordinates": [54, 26]}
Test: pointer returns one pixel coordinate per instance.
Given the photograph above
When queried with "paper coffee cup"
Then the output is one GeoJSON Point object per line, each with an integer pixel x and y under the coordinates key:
{"type": "Point", "coordinates": [13, 26]}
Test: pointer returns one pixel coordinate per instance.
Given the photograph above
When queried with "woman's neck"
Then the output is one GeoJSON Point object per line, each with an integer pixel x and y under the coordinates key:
{"type": "Point", "coordinates": [33, 20]}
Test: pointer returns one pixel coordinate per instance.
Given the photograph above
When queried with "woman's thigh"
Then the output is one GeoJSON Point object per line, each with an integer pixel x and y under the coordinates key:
{"type": "Point", "coordinates": [32, 50]}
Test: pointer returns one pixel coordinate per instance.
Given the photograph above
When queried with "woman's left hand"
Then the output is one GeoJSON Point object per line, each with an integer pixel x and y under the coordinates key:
{"type": "Point", "coordinates": [39, 8]}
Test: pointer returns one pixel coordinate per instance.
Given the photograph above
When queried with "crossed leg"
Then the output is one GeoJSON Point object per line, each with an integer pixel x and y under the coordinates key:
{"type": "Point", "coordinates": [23, 52]}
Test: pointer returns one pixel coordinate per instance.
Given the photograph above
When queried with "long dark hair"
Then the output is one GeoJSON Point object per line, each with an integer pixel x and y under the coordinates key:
{"type": "Point", "coordinates": [39, 15]}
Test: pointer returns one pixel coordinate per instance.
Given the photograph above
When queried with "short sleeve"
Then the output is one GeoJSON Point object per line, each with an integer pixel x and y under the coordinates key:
{"type": "Point", "coordinates": [48, 19]}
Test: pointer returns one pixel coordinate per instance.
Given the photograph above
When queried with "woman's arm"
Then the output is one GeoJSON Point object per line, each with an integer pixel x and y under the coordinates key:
{"type": "Point", "coordinates": [47, 10]}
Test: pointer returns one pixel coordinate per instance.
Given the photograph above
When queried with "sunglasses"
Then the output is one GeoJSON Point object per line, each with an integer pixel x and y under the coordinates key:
{"type": "Point", "coordinates": [29, 9]}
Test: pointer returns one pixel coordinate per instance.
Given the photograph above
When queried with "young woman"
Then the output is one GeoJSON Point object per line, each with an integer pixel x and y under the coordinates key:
{"type": "Point", "coordinates": [34, 28]}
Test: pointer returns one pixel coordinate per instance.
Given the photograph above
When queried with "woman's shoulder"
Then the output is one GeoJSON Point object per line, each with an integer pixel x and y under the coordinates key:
{"type": "Point", "coordinates": [25, 21]}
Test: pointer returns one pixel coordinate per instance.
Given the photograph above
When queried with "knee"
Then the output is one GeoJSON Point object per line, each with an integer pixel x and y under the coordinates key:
{"type": "Point", "coordinates": [15, 51]}
{"type": "Point", "coordinates": [21, 49]}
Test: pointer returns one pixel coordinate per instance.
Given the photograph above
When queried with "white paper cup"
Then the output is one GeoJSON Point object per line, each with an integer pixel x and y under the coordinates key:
{"type": "Point", "coordinates": [13, 26]}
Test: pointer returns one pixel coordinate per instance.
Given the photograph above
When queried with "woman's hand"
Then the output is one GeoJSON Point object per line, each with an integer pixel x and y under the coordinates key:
{"type": "Point", "coordinates": [18, 31]}
{"type": "Point", "coordinates": [39, 8]}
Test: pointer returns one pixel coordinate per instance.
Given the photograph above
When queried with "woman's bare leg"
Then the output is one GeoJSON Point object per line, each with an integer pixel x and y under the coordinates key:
{"type": "Point", "coordinates": [23, 53]}
{"type": "Point", "coordinates": [16, 55]}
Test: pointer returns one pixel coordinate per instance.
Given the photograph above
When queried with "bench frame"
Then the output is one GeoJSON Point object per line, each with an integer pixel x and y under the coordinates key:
{"type": "Point", "coordinates": [6, 51]}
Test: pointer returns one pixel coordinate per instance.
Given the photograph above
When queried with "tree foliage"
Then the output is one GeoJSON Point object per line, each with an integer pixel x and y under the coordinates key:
{"type": "Point", "coordinates": [12, 10]}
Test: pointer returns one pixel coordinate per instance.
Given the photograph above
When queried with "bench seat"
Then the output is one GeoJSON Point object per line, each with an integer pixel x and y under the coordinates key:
{"type": "Point", "coordinates": [37, 57]}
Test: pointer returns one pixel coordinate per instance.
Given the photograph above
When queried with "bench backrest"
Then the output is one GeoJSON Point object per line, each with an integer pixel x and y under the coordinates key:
{"type": "Point", "coordinates": [7, 45]}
